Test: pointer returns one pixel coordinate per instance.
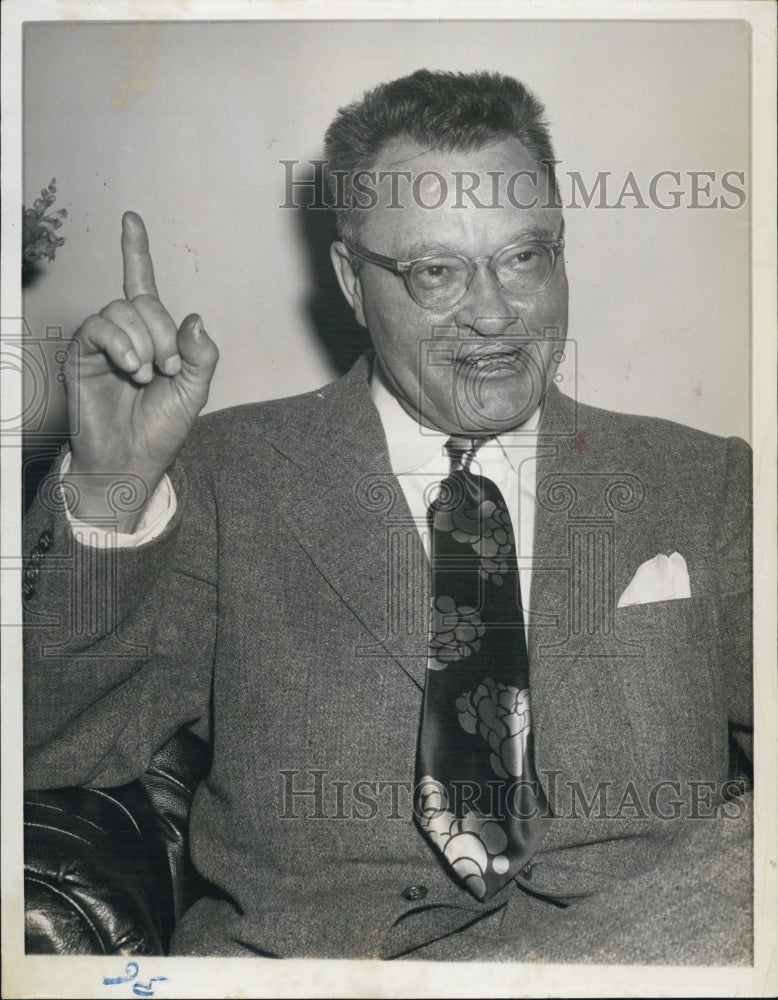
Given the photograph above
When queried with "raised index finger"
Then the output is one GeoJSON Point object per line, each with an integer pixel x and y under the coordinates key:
{"type": "Point", "coordinates": [138, 269]}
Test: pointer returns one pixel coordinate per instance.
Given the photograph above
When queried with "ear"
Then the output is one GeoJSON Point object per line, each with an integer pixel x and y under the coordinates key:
{"type": "Point", "coordinates": [348, 279]}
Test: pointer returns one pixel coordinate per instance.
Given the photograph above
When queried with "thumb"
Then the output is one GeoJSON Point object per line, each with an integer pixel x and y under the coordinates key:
{"type": "Point", "coordinates": [198, 352]}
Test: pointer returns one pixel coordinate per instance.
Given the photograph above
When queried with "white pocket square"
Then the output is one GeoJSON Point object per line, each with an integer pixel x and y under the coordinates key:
{"type": "Point", "coordinates": [663, 578]}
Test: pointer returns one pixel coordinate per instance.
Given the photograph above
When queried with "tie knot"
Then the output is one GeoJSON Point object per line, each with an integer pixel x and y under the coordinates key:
{"type": "Point", "coordinates": [461, 451]}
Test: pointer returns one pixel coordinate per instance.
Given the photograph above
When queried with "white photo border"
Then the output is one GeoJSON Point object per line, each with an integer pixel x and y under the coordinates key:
{"type": "Point", "coordinates": [40, 976]}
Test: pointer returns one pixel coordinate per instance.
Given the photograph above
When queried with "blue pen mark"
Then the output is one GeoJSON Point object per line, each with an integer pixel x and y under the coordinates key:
{"type": "Point", "coordinates": [131, 972]}
{"type": "Point", "coordinates": [146, 989]}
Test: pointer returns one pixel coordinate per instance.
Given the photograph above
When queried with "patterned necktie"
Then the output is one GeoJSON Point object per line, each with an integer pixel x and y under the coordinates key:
{"type": "Point", "coordinates": [477, 797]}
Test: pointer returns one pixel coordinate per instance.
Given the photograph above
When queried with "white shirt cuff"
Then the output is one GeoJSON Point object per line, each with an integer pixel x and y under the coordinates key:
{"type": "Point", "coordinates": [155, 518]}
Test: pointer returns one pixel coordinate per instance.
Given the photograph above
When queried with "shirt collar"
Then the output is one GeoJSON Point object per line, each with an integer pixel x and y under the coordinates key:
{"type": "Point", "coordinates": [412, 446]}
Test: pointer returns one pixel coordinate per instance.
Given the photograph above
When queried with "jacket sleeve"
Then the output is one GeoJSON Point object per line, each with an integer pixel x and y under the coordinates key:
{"type": "Point", "coordinates": [734, 552]}
{"type": "Point", "coordinates": [118, 642]}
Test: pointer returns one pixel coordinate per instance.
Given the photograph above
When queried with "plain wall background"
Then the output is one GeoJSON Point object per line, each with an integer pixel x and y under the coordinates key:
{"type": "Point", "coordinates": [186, 123]}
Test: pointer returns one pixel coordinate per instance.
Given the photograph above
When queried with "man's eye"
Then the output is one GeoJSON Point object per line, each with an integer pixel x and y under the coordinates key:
{"type": "Point", "coordinates": [521, 260]}
{"type": "Point", "coordinates": [434, 274]}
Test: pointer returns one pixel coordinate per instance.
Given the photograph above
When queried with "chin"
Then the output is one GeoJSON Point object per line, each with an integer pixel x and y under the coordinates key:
{"type": "Point", "coordinates": [478, 414]}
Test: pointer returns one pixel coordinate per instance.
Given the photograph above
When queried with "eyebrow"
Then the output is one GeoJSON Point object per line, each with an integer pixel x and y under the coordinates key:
{"type": "Point", "coordinates": [426, 249]}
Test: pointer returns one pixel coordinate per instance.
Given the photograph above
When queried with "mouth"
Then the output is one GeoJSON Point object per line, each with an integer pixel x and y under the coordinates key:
{"type": "Point", "coordinates": [502, 357]}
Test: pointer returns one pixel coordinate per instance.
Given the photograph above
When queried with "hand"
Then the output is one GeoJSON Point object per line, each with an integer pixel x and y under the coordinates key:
{"type": "Point", "coordinates": [141, 383]}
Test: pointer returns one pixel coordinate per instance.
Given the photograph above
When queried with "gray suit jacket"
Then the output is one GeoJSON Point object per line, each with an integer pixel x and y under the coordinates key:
{"type": "Point", "coordinates": [283, 614]}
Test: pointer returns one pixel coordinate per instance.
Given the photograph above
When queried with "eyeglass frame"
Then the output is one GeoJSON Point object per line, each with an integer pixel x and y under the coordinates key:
{"type": "Point", "coordinates": [404, 267]}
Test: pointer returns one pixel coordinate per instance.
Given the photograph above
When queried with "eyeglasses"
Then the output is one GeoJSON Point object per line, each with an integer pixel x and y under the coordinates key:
{"type": "Point", "coordinates": [438, 281]}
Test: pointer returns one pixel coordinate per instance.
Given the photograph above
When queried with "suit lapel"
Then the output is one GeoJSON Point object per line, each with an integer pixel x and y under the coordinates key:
{"type": "Point", "coordinates": [350, 515]}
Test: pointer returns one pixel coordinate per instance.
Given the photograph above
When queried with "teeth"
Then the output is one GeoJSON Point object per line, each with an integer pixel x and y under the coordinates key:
{"type": "Point", "coordinates": [484, 359]}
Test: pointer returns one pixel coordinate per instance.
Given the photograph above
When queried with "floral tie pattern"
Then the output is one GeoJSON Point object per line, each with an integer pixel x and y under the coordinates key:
{"type": "Point", "coordinates": [499, 713]}
{"type": "Point", "coordinates": [486, 528]}
{"type": "Point", "coordinates": [455, 632]}
{"type": "Point", "coordinates": [477, 797]}
{"type": "Point", "coordinates": [470, 845]}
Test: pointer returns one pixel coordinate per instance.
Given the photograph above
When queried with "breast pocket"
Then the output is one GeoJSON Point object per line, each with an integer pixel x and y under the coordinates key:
{"type": "Point", "coordinates": [672, 686]}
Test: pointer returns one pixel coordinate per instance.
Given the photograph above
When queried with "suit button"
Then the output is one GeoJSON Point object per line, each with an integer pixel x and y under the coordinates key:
{"type": "Point", "coordinates": [45, 541]}
{"type": "Point", "coordinates": [27, 589]}
{"type": "Point", "coordinates": [31, 573]}
{"type": "Point", "coordinates": [526, 871]}
{"type": "Point", "coordinates": [411, 892]}
{"type": "Point", "coordinates": [36, 555]}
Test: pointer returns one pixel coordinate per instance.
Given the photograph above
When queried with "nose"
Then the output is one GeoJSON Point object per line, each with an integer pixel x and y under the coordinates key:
{"type": "Point", "coordinates": [484, 308]}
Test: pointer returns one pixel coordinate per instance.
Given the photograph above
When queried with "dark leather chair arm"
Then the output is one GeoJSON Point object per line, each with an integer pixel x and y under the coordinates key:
{"type": "Point", "coordinates": [107, 871]}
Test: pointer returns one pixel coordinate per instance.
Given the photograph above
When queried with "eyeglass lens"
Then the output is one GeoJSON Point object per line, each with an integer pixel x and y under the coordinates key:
{"type": "Point", "coordinates": [519, 270]}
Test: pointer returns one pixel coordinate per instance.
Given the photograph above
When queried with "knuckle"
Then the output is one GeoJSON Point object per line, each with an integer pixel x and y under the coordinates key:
{"type": "Point", "coordinates": [118, 308]}
{"type": "Point", "coordinates": [145, 299]}
{"type": "Point", "coordinates": [118, 339]}
{"type": "Point", "coordinates": [90, 325]}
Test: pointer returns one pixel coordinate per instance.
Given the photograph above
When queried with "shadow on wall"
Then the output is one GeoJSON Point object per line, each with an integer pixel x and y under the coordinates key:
{"type": "Point", "coordinates": [32, 272]}
{"type": "Point", "coordinates": [342, 337]}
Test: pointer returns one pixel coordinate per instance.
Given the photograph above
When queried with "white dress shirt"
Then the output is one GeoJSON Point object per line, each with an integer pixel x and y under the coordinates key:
{"type": "Point", "coordinates": [158, 513]}
{"type": "Point", "coordinates": [420, 463]}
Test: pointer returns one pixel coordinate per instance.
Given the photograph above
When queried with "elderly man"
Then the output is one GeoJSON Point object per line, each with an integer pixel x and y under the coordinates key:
{"type": "Point", "coordinates": [535, 769]}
